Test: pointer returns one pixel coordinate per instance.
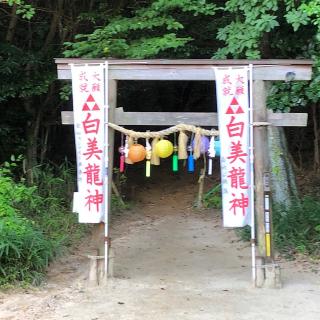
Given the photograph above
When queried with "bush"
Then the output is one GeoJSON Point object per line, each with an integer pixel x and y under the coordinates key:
{"type": "Point", "coordinates": [24, 250]}
{"type": "Point", "coordinates": [35, 224]}
{"type": "Point", "coordinates": [297, 229]}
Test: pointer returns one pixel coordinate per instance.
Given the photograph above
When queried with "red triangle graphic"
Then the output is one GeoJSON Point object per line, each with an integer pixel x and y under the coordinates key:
{"type": "Point", "coordinates": [229, 110]}
{"type": "Point", "coordinates": [95, 107]}
{"type": "Point", "coordinates": [90, 98]}
{"type": "Point", "coordinates": [239, 110]}
{"type": "Point", "coordinates": [85, 107]}
{"type": "Point", "coordinates": [234, 101]}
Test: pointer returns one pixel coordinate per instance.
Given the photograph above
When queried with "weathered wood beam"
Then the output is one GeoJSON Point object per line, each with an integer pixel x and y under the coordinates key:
{"type": "Point", "coordinates": [209, 119]}
{"type": "Point", "coordinates": [194, 73]}
{"type": "Point", "coordinates": [226, 62]}
{"type": "Point", "coordinates": [288, 119]}
{"type": "Point", "coordinates": [190, 69]}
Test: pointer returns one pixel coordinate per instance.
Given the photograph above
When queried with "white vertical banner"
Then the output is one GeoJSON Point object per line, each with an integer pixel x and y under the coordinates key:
{"type": "Point", "coordinates": [89, 90]}
{"type": "Point", "coordinates": [234, 127]}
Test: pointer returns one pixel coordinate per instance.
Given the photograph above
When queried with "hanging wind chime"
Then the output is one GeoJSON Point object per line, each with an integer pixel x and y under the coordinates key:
{"type": "Point", "coordinates": [183, 148]}
{"type": "Point", "coordinates": [122, 149]}
{"type": "Point", "coordinates": [148, 158]}
{"type": "Point", "coordinates": [175, 163]}
{"type": "Point", "coordinates": [190, 157]}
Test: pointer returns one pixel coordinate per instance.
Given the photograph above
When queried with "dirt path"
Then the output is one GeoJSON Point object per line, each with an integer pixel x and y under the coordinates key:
{"type": "Point", "coordinates": [171, 263]}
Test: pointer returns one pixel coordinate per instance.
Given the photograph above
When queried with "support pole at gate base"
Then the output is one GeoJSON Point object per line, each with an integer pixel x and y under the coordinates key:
{"type": "Point", "coordinates": [112, 85]}
{"type": "Point", "coordinates": [105, 266]}
{"type": "Point", "coordinates": [108, 252]}
{"type": "Point", "coordinates": [268, 274]}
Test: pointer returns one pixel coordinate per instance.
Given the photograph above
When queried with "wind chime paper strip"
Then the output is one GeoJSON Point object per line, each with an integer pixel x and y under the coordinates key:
{"type": "Point", "coordinates": [233, 114]}
{"type": "Point", "coordinates": [88, 88]}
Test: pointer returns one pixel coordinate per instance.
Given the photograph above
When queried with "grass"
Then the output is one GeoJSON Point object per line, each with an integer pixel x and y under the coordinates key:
{"type": "Point", "coordinates": [36, 224]}
{"type": "Point", "coordinates": [296, 230]}
{"type": "Point", "coordinates": [212, 198]}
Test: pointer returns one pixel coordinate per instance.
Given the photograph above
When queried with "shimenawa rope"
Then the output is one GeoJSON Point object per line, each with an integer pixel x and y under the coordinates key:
{"type": "Point", "coordinates": [165, 132]}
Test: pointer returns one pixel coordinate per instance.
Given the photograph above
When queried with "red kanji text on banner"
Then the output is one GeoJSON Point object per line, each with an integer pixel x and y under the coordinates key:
{"type": "Point", "coordinates": [88, 90]}
{"type": "Point", "coordinates": [234, 126]}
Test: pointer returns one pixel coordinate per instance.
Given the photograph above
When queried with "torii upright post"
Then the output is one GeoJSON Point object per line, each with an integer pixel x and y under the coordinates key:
{"type": "Point", "coordinates": [267, 272]}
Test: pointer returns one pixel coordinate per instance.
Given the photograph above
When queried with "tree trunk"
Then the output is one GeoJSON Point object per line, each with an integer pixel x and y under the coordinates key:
{"type": "Point", "coordinates": [284, 188]}
{"type": "Point", "coordinates": [54, 26]}
{"type": "Point", "coordinates": [44, 143]}
{"type": "Point", "coordinates": [316, 152]}
{"type": "Point", "coordinates": [32, 146]}
{"type": "Point", "coordinates": [12, 24]}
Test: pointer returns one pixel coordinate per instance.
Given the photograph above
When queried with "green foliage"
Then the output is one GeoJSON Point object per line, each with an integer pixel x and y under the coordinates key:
{"type": "Point", "coordinates": [35, 223]}
{"type": "Point", "coordinates": [26, 11]}
{"type": "Point", "coordinates": [55, 181]}
{"type": "Point", "coordinates": [117, 205]}
{"type": "Point", "coordinates": [286, 95]}
{"type": "Point", "coordinates": [297, 229]}
{"type": "Point", "coordinates": [29, 82]}
{"type": "Point", "coordinates": [24, 250]}
{"type": "Point", "coordinates": [244, 233]}
{"type": "Point", "coordinates": [65, 92]}
{"type": "Point", "coordinates": [212, 198]}
{"type": "Point", "coordinates": [149, 31]}
{"type": "Point", "coordinates": [297, 18]}
{"type": "Point", "coordinates": [248, 22]}
{"type": "Point", "coordinates": [295, 30]}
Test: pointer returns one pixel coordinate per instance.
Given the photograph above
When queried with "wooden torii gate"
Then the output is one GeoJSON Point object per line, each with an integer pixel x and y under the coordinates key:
{"type": "Point", "coordinates": [195, 70]}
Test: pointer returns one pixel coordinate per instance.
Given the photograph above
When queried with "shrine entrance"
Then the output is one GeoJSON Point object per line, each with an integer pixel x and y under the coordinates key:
{"type": "Point", "coordinates": [265, 271]}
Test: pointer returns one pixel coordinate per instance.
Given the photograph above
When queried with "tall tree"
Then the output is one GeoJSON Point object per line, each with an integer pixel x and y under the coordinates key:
{"type": "Point", "coordinates": [32, 33]}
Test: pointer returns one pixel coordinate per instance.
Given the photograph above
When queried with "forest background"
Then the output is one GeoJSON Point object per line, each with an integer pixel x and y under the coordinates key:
{"type": "Point", "coordinates": [36, 153]}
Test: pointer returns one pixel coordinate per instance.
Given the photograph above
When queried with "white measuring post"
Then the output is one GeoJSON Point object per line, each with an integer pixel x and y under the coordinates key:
{"type": "Point", "coordinates": [106, 168]}
{"type": "Point", "coordinates": [253, 232]}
